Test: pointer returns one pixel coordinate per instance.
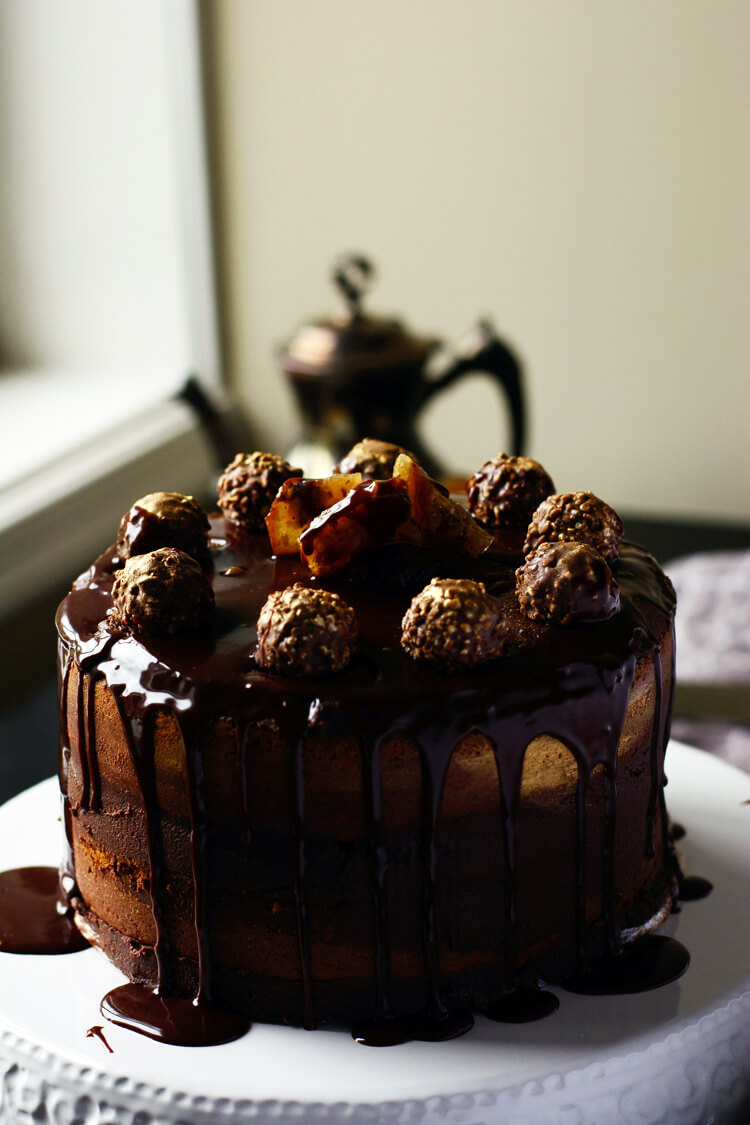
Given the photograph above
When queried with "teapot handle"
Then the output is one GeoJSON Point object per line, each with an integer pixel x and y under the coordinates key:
{"type": "Point", "coordinates": [482, 351]}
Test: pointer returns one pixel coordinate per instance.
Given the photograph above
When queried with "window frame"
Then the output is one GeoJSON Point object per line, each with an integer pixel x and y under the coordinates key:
{"type": "Point", "coordinates": [60, 515]}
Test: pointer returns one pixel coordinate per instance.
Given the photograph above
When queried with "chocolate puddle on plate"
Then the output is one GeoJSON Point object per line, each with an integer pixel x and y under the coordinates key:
{"type": "Point", "coordinates": [648, 962]}
{"type": "Point", "coordinates": [32, 918]}
{"type": "Point", "coordinates": [172, 1019]}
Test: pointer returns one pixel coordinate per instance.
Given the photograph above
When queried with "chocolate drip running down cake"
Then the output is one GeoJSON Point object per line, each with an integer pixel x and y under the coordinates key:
{"type": "Point", "coordinates": [378, 765]}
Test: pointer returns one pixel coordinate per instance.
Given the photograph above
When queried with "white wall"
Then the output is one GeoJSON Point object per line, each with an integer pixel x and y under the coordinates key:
{"type": "Point", "coordinates": [91, 265]}
{"type": "Point", "coordinates": [578, 170]}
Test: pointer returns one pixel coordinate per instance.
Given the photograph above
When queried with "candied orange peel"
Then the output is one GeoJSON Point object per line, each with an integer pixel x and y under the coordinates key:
{"type": "Point", "coordinates": [334, 520]}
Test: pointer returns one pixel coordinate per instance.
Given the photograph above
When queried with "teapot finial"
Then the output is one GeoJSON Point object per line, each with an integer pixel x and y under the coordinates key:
{"type": "Point", "coordinates": [353, 274]}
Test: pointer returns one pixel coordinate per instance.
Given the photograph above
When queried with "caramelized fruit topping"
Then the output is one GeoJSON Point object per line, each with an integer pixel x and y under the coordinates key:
{"type": "Point", "coordinates": [297, 504]}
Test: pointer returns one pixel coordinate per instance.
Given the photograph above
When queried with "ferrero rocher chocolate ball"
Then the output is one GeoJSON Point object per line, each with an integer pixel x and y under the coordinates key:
{"type": "Point", "coordinates": [372, 458]}
{"type": "Point", "coordinates": [452, 623]}
{"type": "Point", "coordinates": [248, 486]}
{"type": "Point", "coordinates": [305, 632]}
{"type": "Point", "coordinates": [163, 519]}
{"type": "Point", "coordinates": [161, 592]}
{"type": "Point", "coordinates": [566, 583]}
{"type": "Point", "coordinates": [506, 491]}
{"type": "Point", "coordinates": [576, 516]}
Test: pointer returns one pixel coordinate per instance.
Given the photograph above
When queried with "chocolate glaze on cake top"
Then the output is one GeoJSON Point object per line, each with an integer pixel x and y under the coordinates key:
{"type": "Point", "coordinates": [572, 682]}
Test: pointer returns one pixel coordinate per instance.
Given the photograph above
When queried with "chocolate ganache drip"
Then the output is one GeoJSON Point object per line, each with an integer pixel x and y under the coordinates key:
{"type": "Point", "coordinates": [572, 684]}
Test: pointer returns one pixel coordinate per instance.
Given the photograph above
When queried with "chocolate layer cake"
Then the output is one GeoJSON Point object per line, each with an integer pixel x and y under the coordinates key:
{"type": "Point", "coordinates": [309, 831]}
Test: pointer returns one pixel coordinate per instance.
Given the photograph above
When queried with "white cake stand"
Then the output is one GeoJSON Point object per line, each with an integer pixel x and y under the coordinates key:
{"type": "Point", "coordinates": [680, 1054]}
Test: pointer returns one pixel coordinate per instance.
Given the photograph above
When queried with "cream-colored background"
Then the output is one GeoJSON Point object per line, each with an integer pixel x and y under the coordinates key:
{"type": "Point", "coordinates": [578, 170]}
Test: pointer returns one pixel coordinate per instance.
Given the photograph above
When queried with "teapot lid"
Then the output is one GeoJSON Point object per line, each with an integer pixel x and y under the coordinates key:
{"type": "Point", "coordinates": [353, 341]}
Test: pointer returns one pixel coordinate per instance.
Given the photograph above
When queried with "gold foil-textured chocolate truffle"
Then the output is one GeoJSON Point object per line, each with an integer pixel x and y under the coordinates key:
{"type": "Point", "coordinates": [372, 458]}
{"type": "Point", "coordinates": [566, 583]}
{"type": "Point", "coordinates": [305, 632]}
{"type": "Point", "coordinates": [163, 519]}
{"type": "Point", "coordinates": [452, 623]}
{"type": "Point", "coordinates": [161, 592]}
{"type": "Point", "coordinates": [506, 491]}
{"type": "Point", "coordinates": [248, 486]}
{"type": "Point", "coordinates": [576, 516]}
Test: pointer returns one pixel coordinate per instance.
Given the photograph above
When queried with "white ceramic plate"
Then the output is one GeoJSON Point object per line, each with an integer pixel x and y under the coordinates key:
{"type": "Point", "coordinates": [678, 1054]}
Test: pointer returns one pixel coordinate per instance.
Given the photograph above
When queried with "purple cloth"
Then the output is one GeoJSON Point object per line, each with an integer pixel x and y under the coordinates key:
{"type": "Point", "coordinates": [713, 642]}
